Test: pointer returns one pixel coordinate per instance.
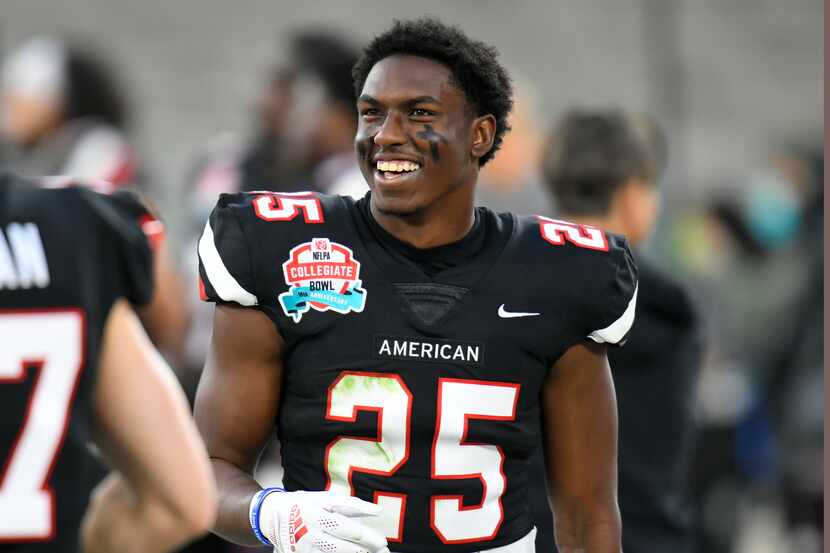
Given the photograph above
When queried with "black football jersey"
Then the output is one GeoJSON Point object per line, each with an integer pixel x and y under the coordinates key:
{"type": "Point", "coordinates": [66, 255]}
{"type": "Point", "coordinates": [414, 383]}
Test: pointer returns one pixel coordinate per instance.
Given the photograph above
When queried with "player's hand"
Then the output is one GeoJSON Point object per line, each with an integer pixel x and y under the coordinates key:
{"type": "Point", "coordinates": [320, 522]}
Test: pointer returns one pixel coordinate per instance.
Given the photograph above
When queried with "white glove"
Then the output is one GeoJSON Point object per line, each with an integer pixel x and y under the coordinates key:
{"type": "Point", "coordinates": [319, 522]}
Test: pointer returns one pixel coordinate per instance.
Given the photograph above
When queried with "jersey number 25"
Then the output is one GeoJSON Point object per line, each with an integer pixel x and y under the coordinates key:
{"type": "Point", "coordinates": [453, 456]}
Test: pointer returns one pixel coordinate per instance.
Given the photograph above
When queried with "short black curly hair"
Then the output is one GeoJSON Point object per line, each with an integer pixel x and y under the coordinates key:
{"type": "Point", "coordinates": [473, 64]}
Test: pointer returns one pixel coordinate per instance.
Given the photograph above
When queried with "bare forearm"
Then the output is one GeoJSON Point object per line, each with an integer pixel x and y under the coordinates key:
{"type": "Point", "coordinates": [120, 522]}
{"type": "Point", "coordinates": [236, 488]}
{"type": "Point", "coordinates": [236, 405]}
{"type": "Point", "coordinates": [597, 533]}
{"type": "Point", "coordinates": [580, 433]}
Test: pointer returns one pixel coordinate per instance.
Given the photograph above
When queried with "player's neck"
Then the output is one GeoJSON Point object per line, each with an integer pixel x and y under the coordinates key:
{"type": "Point", "coordinates": [446, 221]}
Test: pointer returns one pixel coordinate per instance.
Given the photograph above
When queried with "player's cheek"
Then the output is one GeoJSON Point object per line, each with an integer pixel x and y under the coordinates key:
{"type": "Point", "coordinates": [363, 142]}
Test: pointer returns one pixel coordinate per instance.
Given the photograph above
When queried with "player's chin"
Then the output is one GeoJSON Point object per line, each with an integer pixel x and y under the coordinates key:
{"type": "Point", "coordinates": [396, 202]}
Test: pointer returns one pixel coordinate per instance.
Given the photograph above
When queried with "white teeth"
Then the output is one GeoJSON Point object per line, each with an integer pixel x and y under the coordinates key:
{"type": "Point", "coordinates": [397, 166]}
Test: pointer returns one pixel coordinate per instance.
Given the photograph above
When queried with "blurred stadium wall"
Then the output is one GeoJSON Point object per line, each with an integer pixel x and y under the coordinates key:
{"type": "Point", "coordinates": [724, 76]}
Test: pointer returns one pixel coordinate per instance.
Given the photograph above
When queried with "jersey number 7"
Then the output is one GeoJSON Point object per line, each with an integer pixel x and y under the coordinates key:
{"type": "Point", "coordinates": [452, 458]}
{"type": "Point", "coordinates": [52, 343]}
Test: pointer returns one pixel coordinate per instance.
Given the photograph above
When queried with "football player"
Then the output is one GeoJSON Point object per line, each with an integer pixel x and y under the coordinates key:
{"type": "Point", "coordinates": [603, 167]}
{"type": "Point", "coordinates": [413, 350]}
{"type": "Point", "coordinates": [76, 366]}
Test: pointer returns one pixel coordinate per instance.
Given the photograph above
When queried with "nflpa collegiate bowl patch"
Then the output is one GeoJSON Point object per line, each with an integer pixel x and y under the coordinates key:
{"type": "Point", "coordinates": [321, 275]}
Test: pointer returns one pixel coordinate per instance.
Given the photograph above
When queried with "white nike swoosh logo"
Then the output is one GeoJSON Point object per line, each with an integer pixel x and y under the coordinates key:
{"type": "Point", "coordinates": [505, 314]}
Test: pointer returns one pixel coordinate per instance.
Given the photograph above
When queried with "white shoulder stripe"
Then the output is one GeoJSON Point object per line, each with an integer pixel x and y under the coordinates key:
{"type": "Point", "coordinates": [220, 278]}
{"type": "Point", "coordinates": [617, 330]}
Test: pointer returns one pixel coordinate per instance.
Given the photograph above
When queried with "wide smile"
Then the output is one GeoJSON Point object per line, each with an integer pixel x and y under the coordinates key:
{"type": "Point", "coordinates": [396, 171]}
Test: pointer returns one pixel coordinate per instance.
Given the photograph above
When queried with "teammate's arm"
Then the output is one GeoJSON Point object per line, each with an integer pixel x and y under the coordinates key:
{"type": "Point", "coordinates": [580, 439]}
{"type": "Point", "coordinates": [236, 407]}
{"type": "Point", "coordinates": [162, 492]}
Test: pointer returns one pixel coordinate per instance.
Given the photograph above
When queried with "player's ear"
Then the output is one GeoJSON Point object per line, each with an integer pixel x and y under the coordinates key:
{"type": "Point", "coordinates": [484, 133]}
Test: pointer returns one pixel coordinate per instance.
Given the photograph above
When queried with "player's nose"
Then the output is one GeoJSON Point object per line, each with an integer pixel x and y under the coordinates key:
{"type": "Point", "coordinates": [391, 132]}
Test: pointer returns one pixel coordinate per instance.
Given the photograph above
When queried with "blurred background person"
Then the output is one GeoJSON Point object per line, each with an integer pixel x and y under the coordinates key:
{"type": "Point", "coordinates": [303, 135]}
{"type": "Point", "coordinates": [757, 464]}
{"type": "Point", "coordinates": [602, 167]}
{"type": "Point", "coordinates": [792, 365]}
{"type": "Point", "coordinates": [63, 113]}
{"type": "Point", "coordinates": [321, 124]}
{"type": "Point", "coordinates": [303, 139]}
{"type": "Point", "coordinates": [224, 166]}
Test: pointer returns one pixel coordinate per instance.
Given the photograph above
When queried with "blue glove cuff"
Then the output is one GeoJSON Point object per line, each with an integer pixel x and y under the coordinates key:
{"type": "Point", "coordinates": [256, 504]}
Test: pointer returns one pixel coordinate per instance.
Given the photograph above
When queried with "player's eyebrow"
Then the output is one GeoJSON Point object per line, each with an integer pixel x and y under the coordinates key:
{"type": "Point", "coordinates": [368, 99]}
{"type": "Point", "coordinates": [411, 101]}
{"type": "Point", "coordinates": [424, 100]}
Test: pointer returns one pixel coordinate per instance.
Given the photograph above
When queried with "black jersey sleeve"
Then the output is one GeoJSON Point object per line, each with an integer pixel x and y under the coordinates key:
{"type": "Point", "coordinates": [585, 275]}
{"type": "Point", "coordinates": [123, 219]}
{"type": "Point", "coordinates": [225, 264]}
{"type": "Point", "coordinates": [611, 305]}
